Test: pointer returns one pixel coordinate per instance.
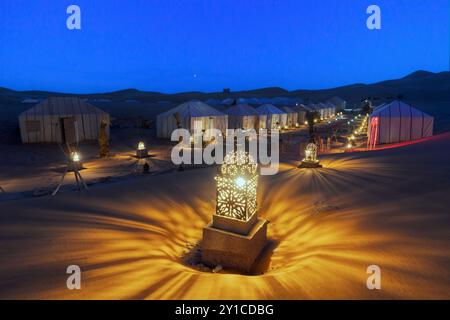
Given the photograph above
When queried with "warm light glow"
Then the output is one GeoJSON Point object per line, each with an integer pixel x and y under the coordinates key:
{"type": "Point", "coordinates": [236, 187]}
{"type": "Point", "coordinates": [349, 145]}
{"type": "Point", "coordinates": [315, 120]}
{"type": "Point", "coordinates": [306, 123]}
{"type": "Point", "coordinates": [141, 145]}
{"type": "Point", "coordinates": [75, 156]}
{"type": "Point", "coordinates": [240, 182]}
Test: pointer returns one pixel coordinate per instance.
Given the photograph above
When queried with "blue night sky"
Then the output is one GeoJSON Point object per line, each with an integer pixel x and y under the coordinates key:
{"type": "Point", "coordinates": [206, 45]}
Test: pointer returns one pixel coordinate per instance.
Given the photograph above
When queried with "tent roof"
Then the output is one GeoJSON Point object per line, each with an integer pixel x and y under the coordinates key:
{"type": "Point", "coordinates": [194, 109]}
{"type": "Point", "coordinates": [241, 110]}
{"type": "Point", "coordinates": [269, 109]}
{"type": "Point", "coordinates": [300, 108]}
{"type": "Point", "coordinates": [288, 110]}
{"type": "Point", "coordinates": [379, 107]}
{"type": "Point", "coordinates": [398, 108]}
{"type": "Point", "coordinates": [63, 106]}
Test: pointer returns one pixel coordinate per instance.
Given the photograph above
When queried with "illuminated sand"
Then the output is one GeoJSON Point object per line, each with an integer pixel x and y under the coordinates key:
{"type": "Point", "coordinates": [389, 208]}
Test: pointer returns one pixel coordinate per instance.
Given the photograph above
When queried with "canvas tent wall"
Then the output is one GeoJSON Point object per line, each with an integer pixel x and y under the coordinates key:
{"type": "Point", "coordinates": [292, 116]}
{"type": "Point", "coordinates": [262, 120]}
{"type": "Point", "coordinates": [331, 109]}
{"type": "Point", "coordinates": [398, 122]}
{"type": "Point", "coordinates": [191, 115]}
{"type": "Point", "coordinates": [322, 109]}
{"type": "Point", "coordinates": [301, 113]}
{"type": "Point", "coordinates": [242, 116]}
{"type": "Point", "coordinates": [62, 119]}
{"type": "Point", "coordinates": [275, 117]}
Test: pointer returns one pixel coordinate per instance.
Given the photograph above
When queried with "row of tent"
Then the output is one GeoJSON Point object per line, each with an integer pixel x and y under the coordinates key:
{"type": "Point", "coordinates": [197, 115]}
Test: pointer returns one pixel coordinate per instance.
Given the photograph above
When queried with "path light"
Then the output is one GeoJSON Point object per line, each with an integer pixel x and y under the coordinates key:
{"type": "Point", "coordinates": [310, 160]}
{"type": "Point", "coordinates": [236, 235]}
{"type": "Point", "coordinates": [75, 157]}
{"type": "Point", "coordinates": [73, 165]}
{"type": "Point", "coordinates": [141, 151]}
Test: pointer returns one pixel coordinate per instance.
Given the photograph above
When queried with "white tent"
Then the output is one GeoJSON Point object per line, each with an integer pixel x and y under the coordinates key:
{"type": "Point", "coordinates": [62, 119]}
{"type": "Point", "coordinates": [322, 109]}
{"type": "Point", "coordinates": [275, 117]}
{"type": "Point", "coordinates": [292, 116]}
{"type": "Point", "coordinates": [398, 122]}
{"type": "Point", "coordinates": [191, 115]}
{"type": "Point", "coordinates": [242, 116]}
{"type": "Point", "coordinates": [338, 102]}
{"type": "Point", "coordinates": [331, 109]}
{"type": "Point", "coordinates": [301, 112]}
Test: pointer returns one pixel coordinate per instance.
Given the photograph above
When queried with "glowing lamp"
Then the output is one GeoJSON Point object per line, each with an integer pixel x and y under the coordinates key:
{"type": "Point", "coordinates": [310, 160]}
{"type": "Point", "coordinates": [306, 123]}
{"type": "Point", "coordinates": [236, 187]}
{"type": "Point", "coordinates": [141, 151]}
{"type": "Point", "coordinates": [75, 156]}
{"type": "Point", "coordinates": [297, 125]}
{"type": "Point", "coordinates": [236, 236]}
{"type": "Point", "coordinates": [240, 182]}
{"type": "Point", "coordinates": [74, 163]}
{"type": "Point", "coordinates": [315, 120]}
{"type": "Point", "coordinates": [141, 145]}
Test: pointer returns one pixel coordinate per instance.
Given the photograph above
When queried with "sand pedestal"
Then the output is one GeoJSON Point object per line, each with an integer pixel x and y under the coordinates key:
{"type": "Point", "coordinates": [141, 153]}
{"type": "Point", "coordinates": [233, 243]}
{"type": "Point", "coordinates": [309, 164]}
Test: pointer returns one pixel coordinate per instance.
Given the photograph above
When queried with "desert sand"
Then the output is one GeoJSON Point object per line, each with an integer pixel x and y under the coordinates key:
{"type": "Point", "coordinates": [388, 207]}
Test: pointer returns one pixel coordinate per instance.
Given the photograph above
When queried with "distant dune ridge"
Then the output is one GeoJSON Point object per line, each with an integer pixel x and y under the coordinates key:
{"type": "Point", "coordinates": [419, 85]}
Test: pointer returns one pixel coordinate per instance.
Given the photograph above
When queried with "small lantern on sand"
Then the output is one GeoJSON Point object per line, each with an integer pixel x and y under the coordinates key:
{"type": "Point", "coordinates": [141, 151]}
{"type": "Point", "coordinates": [310, 160]}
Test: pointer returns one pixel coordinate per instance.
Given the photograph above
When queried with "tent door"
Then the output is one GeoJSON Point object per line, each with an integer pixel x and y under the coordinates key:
{"type": "Point", "coordinates": [69, 133]}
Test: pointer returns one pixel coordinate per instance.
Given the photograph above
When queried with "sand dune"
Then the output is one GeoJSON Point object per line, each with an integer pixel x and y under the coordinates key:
{"type": "Point", "coordinates": [389, 208]}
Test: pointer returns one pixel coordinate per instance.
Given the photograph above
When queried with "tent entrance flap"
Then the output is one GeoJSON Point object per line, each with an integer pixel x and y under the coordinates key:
{"type": "Point", "coordinates": [69, 133]}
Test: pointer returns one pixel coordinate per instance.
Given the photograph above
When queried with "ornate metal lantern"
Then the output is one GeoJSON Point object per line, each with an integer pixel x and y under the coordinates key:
{"type": "Point", "coordinates": [310, 160]}
{"type": "Point", "coordinates": [236, 187]}
{"type": "Point", "coordinates": [236, 236]}
{"type": "Point", "coordinates": [311, 153]}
